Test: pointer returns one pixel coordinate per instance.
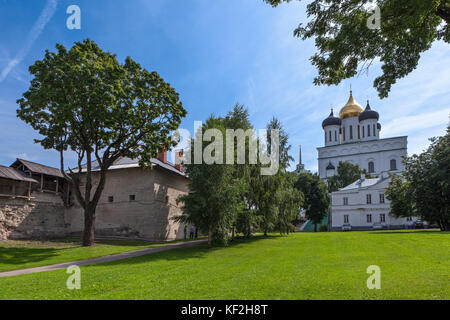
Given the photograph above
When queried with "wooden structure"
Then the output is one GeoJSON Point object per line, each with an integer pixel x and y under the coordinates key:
{"type": "Point", "coordinates": [50, 179]}
{"type": "Point", "coordinates": [15, 184]}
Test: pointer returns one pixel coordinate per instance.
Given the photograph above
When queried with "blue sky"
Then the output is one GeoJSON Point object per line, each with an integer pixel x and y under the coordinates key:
{"type": "Point", "coordinates": [215, 53]}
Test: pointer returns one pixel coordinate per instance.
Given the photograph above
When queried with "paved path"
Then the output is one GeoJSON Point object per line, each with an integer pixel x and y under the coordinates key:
{"type": "Point", "coordinates": [114, 257]}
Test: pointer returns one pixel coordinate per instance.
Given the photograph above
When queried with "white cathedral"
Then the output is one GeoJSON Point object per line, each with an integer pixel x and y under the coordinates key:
{"type": "Point", "coordinates": [354, 137]}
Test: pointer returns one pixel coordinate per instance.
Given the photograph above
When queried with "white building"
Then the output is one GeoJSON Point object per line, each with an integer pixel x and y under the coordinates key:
{"type": "Point", "coordinates": [363, 205]}
{"type": "Point", "coordinates": [354, 137]}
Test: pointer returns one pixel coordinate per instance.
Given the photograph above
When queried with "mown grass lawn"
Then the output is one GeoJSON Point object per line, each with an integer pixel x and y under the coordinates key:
{"type": "Point", "coordinates": [414, 265]}
{"type": "Point", "coordinates": [19, 254]}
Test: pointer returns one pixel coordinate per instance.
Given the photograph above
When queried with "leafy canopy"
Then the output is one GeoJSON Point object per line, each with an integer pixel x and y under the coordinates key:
{"type": "Point", "coordinates": [346, 46]}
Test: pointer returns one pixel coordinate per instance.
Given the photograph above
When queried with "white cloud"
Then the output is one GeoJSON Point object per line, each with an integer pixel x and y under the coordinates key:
{"type": "Point", "coordinates": [44, 18]}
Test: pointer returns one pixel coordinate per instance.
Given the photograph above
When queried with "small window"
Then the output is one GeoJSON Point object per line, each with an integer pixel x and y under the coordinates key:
{"type": "Point", "coordinates": [374, 132]}
{"type": "Point", "coordinates": [382, 217]}
{"type": "Point", "coordinates": [368, 130]}
{"type": "Point", "coordinates": [325, 137]}
{"type": "Point", "coordinates": [371, 167]}
{"type": "Point", "coordinates": [132, 197]}
{"type": "Point", "coordinates": [330, 136]}
{"type": "Point", "coordinates": [351, 132]}
{"type": "Point", "coordinates": [110, 199]}
{"type": "Point", "coordinates": [393, 164]}
{"type": "Point", "coordinates": [369, 218]}
{"type": "Point", "coordinates": [359, 132]}
{"type": "Point", "coordinates": [369, 199]}
{"type": "Point", "coordinates": [345, 218]}
{"type": "Point", "coordinates": [363, 131]}
{"type": "Point", "coordinates": [408, 219]}
{"type": "Point", "coordinates": [343, 133]}
{"type": "Point", "coordinates": [335, 135]}
{"type": "Point", "coordinates": [381, 198]}
{"type": "Point", "coordinates": [345, 201]}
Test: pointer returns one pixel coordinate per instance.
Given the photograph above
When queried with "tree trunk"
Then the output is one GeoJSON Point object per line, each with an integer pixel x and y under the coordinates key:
{"type": "Point", "coordinates": [315, 227]}
{"type": "Point", "coordinates": [89, 227]}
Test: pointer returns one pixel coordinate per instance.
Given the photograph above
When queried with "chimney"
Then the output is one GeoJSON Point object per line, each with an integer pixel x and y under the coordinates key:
{"type": "Point", "coordinates": [179, 160]}
{"type": "Point", "coordinates": [163, 156]}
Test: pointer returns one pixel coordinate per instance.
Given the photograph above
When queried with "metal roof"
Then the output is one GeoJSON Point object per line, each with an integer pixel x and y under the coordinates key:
{"type": "Point", "coordinates": [124, 163]}
{"type": "Point", "coordinates": [39, 168]}
{"type": "Point", "coordinates": [13, 174]}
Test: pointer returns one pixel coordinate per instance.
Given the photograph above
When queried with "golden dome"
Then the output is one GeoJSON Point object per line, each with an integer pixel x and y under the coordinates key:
{"type": "Point", "coordinates": [351, 109]}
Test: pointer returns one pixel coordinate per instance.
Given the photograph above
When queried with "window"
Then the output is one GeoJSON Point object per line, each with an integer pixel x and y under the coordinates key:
{"type": "Point", "coordinates": [382, 217]}
{"type": "Point", "coordinates": [345, 201]}
{"type": "Point", "coordinates": [351, 132]}
{"type": "Point", "coordinates": [369, 199]}
{"type": "Point", "coordinates": [381, 198]}
{"type": "Point", "coordinates": [325, 137]}
{"type": "Point", "coordinates": [359, 133]}
{"type": "Point", "coordinates": [132, 197]}
{"type": "Point", "coordinates": [408, 219]}
{"type": "Point", "coordinates": [369, 218]}
{"type": "Point", "coordinates": [343, 133]}
{"type": "Point", "coordinates": [393, 164]}
{"type": "Point", "coordinates": [368, 130]}
{"type": "Point", "coordinates": [345, 218]}
{"type": "Point", "coordinates": [330, 137]}
{"type": "Point", "coordinates": [335, 135]}
{"type": "Point", "coordinates": [374, 132]}
{"type": "Point", "coordinates": [371, 167]}
{"type": "Point", "coordinates": [110, 199]}
{"type": "Point", "coordinates": [363, 131]}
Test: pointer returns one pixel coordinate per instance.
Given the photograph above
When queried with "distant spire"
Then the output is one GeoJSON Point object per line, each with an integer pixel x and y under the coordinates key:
{"type": "Point", "coordinates": [368, 105]}
{"type": "Point", "coordinates": [300, 156]}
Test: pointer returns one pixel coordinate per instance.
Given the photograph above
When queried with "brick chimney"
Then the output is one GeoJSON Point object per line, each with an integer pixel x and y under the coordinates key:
{"type": "Point", "coordinates": [163, 156]}
{"type": "Point", "coordinates": [179, 160]}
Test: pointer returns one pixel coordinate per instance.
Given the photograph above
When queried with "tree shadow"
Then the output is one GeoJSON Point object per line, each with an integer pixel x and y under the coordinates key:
{"type": "Point", "coordinates": [413, 231]}
{"type": "Point", "coordinates": [199, 251]}
{"type": "Point", "coordinates": [20, 255]}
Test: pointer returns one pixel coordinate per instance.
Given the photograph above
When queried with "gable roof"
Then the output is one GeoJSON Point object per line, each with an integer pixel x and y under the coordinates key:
{"type": "Point", "coordinates": [125, 163]}
{"type": "Point", "coordinates": [38, 168]}
{"type": "Point", "coordinates": [13, 174]}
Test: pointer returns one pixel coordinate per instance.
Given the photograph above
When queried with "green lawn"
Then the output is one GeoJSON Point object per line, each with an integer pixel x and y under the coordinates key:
{"type": "Point", "coordinates": [19, 254]}
{"type": "Point", "coordinates": [414, 265]}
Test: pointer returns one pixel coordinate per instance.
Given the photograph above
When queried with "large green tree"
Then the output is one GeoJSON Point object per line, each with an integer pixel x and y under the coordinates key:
{"type": "Point", "coordinates": [425, 190]}
{"type": "Point", "coordinates": [316, 202]}
{"type": "Point", "coordinates": [83, 100]}
{"type": "Point", "coordinates": [346, 46]}
{"type": "Point", "coordinates": [214, 192]}
{"type": "Point", "coordinates": [346, 174]}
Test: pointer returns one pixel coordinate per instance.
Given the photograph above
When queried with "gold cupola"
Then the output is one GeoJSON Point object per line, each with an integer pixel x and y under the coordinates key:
{"type": "Point", "coordinates": [351, 109]}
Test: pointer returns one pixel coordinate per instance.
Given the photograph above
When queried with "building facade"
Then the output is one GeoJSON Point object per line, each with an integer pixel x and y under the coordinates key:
{"type": "Point", "coordinates": [354, 137]}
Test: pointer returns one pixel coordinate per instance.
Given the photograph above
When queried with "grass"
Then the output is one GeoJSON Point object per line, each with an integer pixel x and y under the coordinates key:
{"type": "Point", "coordinates": [414, 265]}
{"type": "Point", "coordinates": [18, 254]}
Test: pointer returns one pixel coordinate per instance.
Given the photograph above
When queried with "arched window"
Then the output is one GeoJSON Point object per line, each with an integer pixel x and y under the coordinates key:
{"type": "Point", "coordinates": [393, 164]}
{"type": "Point", "coordinates": [330, 137]}
{"type": "Point", "coordinates": [371, 167]}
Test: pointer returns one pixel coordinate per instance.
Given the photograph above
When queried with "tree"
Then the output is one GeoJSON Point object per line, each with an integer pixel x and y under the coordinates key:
{"type": "Point", "coordinates": [214, 196]}
{"type": "Point", "coordinates": [425, 191]}
{"type": "Point", "coordinates": [347, 173]}
{"type": "Point", "coordinates": [85, 101]}
{"type": "Point", "coordinates": [289, 200]}
{"type": "Point", "coordinates": [346, 46]}
{"type": "Point", "coordinates": [316, 201]}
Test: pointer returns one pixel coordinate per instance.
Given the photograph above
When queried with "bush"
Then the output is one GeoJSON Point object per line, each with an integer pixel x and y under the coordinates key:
{"type": "Point", "coordinates": [323, 228]}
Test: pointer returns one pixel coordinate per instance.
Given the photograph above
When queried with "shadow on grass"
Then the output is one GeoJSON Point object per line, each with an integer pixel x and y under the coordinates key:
{"type": "Point", "coordinates": [185, 253]}
{"type": "Point", "coordinates": [13, 256]}
{"type": "Point", "coordinates": [412, 231]}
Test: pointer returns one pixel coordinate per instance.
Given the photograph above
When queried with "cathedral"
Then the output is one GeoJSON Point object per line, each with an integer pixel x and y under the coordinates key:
{"type": "Point", "coordinates": [354, 137]}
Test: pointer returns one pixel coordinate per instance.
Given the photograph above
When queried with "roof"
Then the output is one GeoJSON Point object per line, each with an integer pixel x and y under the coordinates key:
{"type": "Point", "coordinates": [361, 183]}
{"type": "Point", "coordinates": [331, 120]}
{"type": "Point", "coordinates": [368, 113]}
{"type": "Point", "coordinates": [13, 174]}
{"type": "Point", "coordinates": [39, 168]}
{"type": "Point", "coordinates": [125, 163]}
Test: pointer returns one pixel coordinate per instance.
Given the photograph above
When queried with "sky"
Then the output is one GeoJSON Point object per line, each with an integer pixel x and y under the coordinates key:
{"type": "Point", "coordinates": [215, 54]}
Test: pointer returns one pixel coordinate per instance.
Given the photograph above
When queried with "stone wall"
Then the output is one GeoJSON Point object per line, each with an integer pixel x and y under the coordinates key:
{"type": "Point", "coordinates": [40, 217]}
{"type": "Point", "coordinates": [136, 203]}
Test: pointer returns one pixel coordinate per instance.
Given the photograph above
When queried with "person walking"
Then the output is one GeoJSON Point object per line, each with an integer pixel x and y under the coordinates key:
{"type": "Point", "coordinates": [191, 232]}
